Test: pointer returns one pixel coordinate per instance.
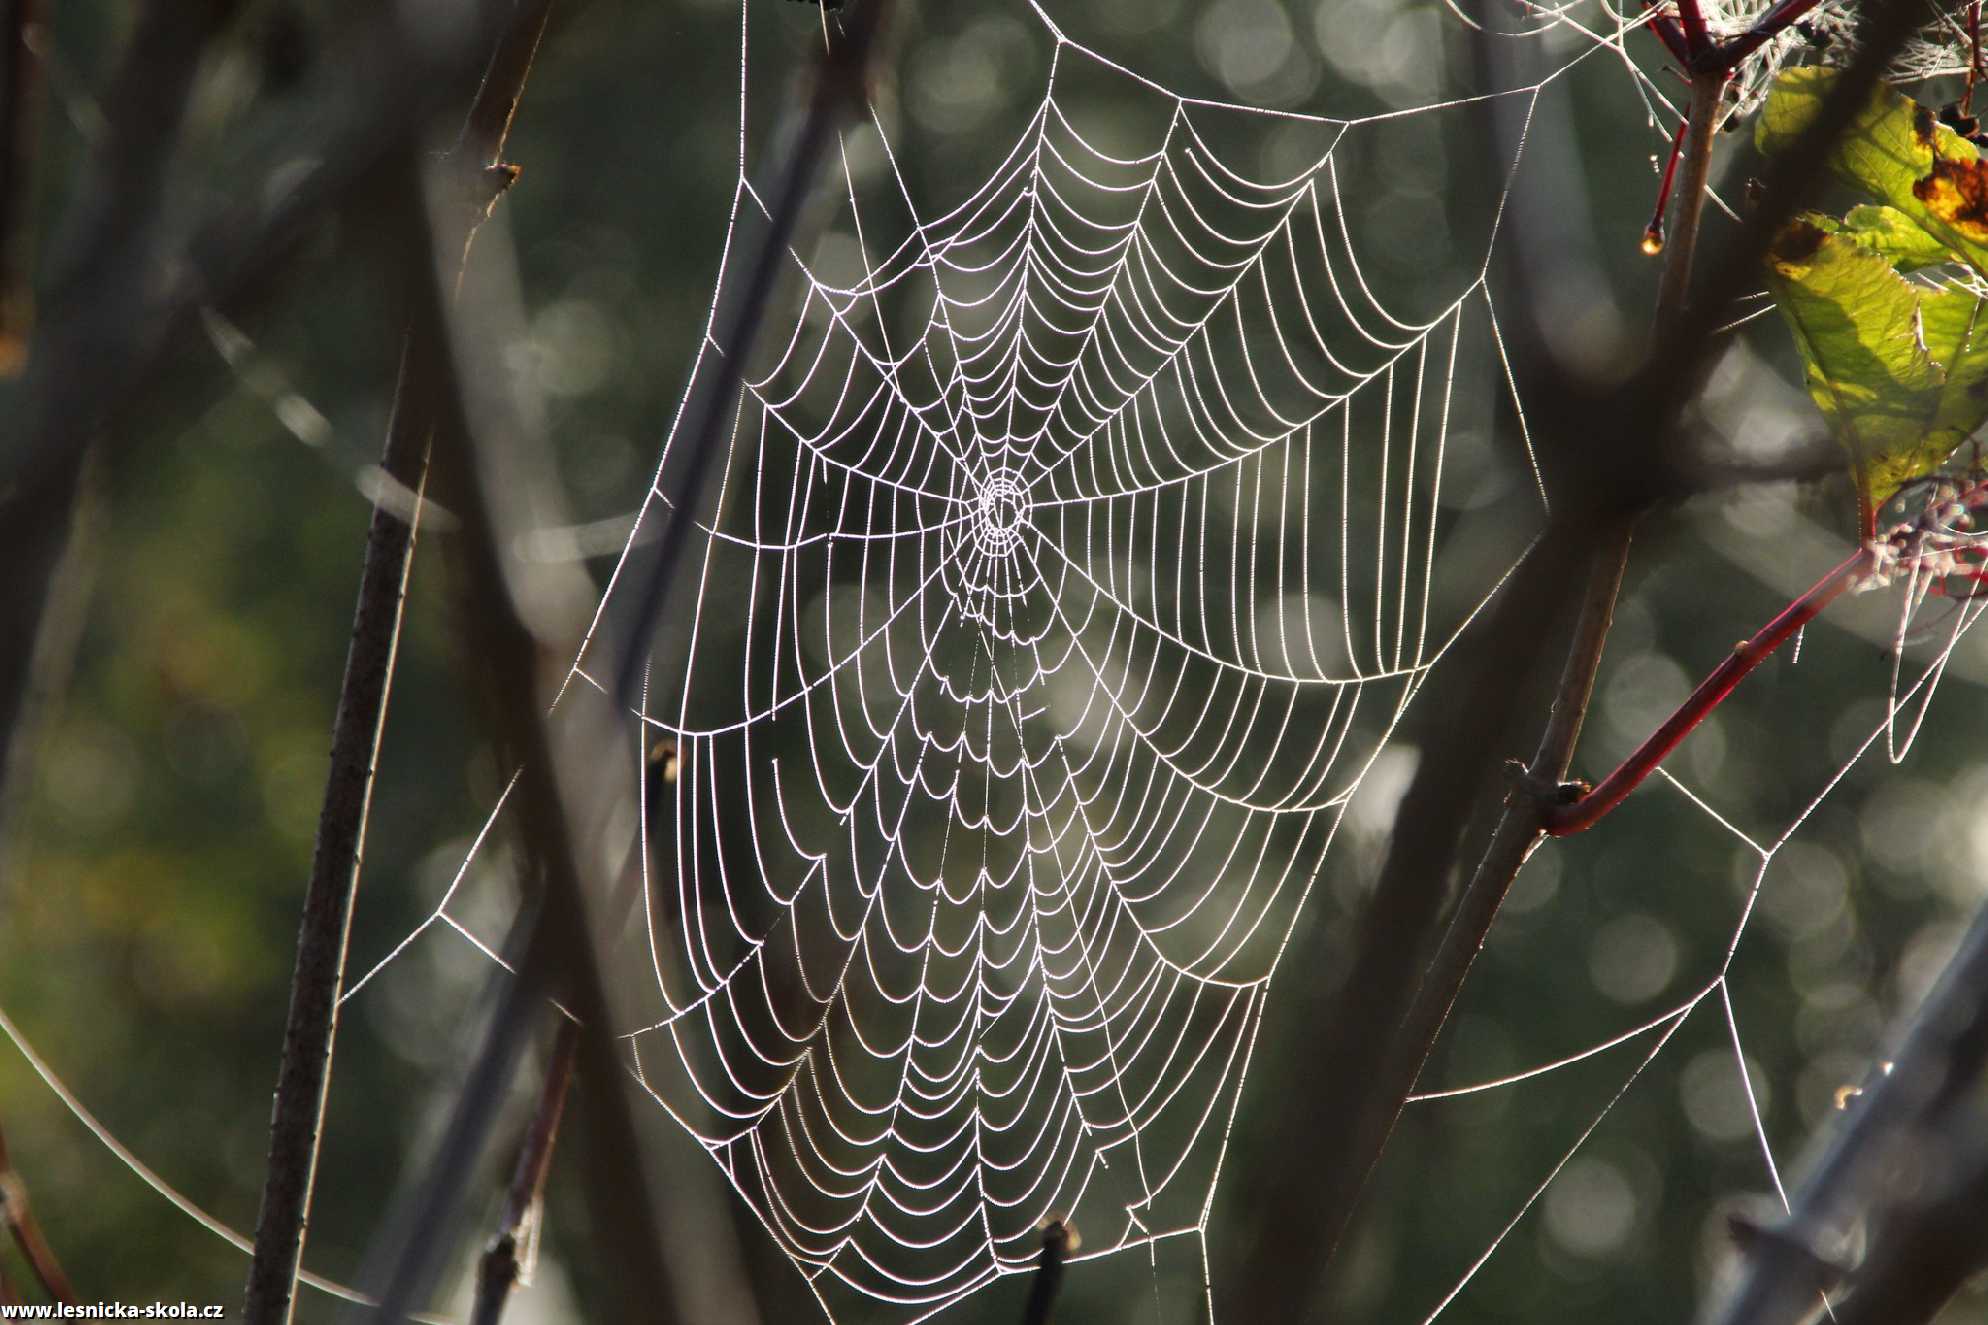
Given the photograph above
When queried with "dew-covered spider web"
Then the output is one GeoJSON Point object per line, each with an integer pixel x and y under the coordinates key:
{"type": "Point", "coordinates": [1079, 541]}
{"type": "Point", "coordinates": [1107, 481]}
{"type": "Point", "coordinates": [1069, 562]}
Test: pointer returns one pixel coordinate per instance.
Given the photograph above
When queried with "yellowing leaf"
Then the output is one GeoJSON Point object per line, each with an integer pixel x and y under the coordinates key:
{"type": "Point", "coordinates": [1894, 236]}
{"type": "Point", "coordinates": [1899, 370]}
{"type": "Point", "coordinates": [1896, 151]}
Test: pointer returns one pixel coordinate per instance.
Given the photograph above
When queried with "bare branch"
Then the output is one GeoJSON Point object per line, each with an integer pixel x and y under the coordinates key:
{"type": "Point", "coordinates": [304, 1075]}
{"type": "Point", "coordinates": [20, 124]}
{"type": "Point", "coordinates": [19, 1217]}
{"type": "Point", "coordinates": [1912, 1144]}
{"type": "Point", "coordinates": [500, 1269]}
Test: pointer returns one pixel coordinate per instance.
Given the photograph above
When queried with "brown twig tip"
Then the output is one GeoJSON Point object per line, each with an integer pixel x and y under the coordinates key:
{"type": "Point", "coordinates": [1059, 1239]}
{"type": "Point", "coordinates": [663, 758]}
{"type": "Point", "coordinates": [504, 1266]}
{"type": "Point", "coordinates": [19, 1218]}
{"type": "Point", "coordinates": [1752, 1237]}
{"type": "Point", "coordinates": [501, 177]}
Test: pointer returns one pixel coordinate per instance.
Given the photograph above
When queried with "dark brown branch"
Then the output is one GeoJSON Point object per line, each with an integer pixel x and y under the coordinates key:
{"type": "Point", "coordinates": [1057, 1240]}
{"type": "Point", "coordinates": [304, 1075]}
{"type": "Point", "coordinates": [1926, 1250]}
{"type": "Point", "coordinates": [122, 293]}
{"type": "Point", "coordinates": [21, 1223]}
{"type": "Point", "coordinates": [560, 788]}
{"type": "Point", "coordinates": [105, 253]}
{"type": "Point", "coordinates": [1898, 1144]}
{"type": "Point", "coordinates": [1394, 1001]}
{"type": "Point", "coordinates": [20, 124]}
{"type": "Point", "coordinates": [500, 1269]}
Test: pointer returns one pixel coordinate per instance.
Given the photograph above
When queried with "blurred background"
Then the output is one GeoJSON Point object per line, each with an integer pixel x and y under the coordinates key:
{"type": "Point", "coordinates": [149, 903]}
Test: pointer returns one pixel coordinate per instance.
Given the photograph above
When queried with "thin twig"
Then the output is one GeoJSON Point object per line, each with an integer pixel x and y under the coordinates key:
{"type": "Point", "coordinates": [1701, 125]}
{"type": "Point", "coordinates": [1579, 815]}
{"type": "Point", "coordinates": [304, 1075]}
{"type": "Point", "coordinates": [501, 1267]}
{"type": "Point", "coordinates": [19, 1215]}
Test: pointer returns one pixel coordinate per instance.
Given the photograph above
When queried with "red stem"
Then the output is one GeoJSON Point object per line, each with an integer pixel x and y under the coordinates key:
{"type": "Point", "coordinates": [1671, 34]}
{"type": "Point", "coordinates": [1561, 820]}
{"type": "Point", "coordinates": [1697, 41]}
{"type": "Point", "coordinates": [1973, 55]}
{"type": "Point", "coordinates": [1653, 233]}
{"type": "Point", "coordinates": [1767, 27]}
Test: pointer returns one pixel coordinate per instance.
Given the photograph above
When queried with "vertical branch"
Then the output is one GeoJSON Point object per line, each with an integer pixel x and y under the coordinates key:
{"type": "Point", "coordinates": [1520, 824]}
{"type": "Point", "coordinates": [26, 1230]}
{"type": "Point", "coordinates": [1700, 126]}
{"type": "Point", "coordinates": [561, 795]}
{"type": "Point", "coordinates": [1893, 1159]}
{"type": "Point", "coordinates": [104, 254]}
{"type": "Point", "coordinates": [304, 1074]}
{"type": "Point", "coordinates": [556, 794]}
{"type": "Point", "coordinates": [1407, 969]}
{"type": "Point", "coordinates": [20, 122]}
{"type": "Point", "coordinates": [501, 1269]}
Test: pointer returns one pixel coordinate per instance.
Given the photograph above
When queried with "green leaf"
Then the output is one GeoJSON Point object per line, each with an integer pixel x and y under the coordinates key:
{"type": "Point", "coordinates": [1896, 151]}
{"type": "Point", "coordinates": [1899, 370]}
{"type": "Point", "coordinates": [1895, 237]}
{"type": "Point", "coordinates": [1954, 323]}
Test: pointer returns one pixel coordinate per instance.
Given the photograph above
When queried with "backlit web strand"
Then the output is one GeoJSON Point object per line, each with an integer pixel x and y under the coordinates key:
{"type": "Point", "coordinates": [1072, 563]}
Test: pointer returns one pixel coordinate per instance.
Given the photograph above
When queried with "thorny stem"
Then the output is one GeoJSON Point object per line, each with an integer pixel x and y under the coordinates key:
{"type": "Point", "coordinates": [20, 1219]}
{"type": "Point", "coordinates": [501, 1267]}
{"type": "Point", "coordinates": [304, 1075]}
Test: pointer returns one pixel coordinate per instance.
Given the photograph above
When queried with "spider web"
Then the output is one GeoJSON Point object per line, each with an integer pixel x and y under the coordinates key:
{"type": "Point", "coordinates": [1070, 561]}
{"type": "Point", "coordinates": [1081, 537]}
